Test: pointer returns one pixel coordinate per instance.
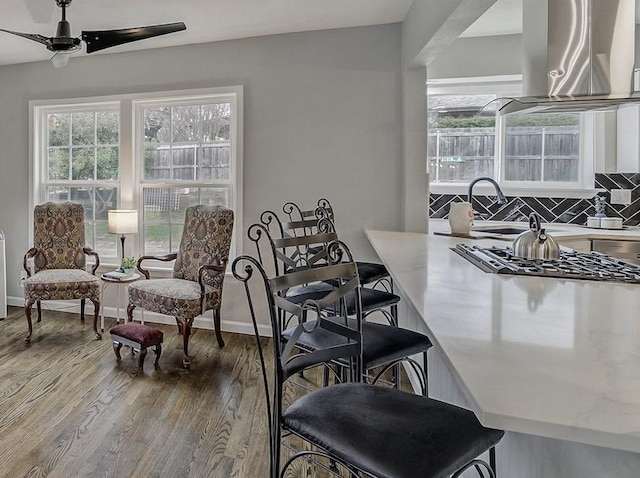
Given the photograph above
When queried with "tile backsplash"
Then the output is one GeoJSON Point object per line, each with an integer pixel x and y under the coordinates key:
{"type": "Point", "coordinates": [566, 210]}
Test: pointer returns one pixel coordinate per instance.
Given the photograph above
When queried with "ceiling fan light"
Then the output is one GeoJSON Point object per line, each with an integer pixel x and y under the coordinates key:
{"type": "Point", "coordinates": [60, 59]}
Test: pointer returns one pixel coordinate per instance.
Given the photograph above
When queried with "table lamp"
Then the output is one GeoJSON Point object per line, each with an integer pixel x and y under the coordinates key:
{"type": "Point", "coordinates": [123, 221]}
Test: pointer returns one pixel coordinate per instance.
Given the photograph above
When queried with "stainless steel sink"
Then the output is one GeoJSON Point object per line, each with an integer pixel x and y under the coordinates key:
{"type": "Point", "coordinates": [503, 230]}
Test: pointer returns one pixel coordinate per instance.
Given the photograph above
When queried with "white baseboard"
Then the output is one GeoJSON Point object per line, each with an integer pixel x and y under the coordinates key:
{"type": "Point", "coordinates": [200, 322]}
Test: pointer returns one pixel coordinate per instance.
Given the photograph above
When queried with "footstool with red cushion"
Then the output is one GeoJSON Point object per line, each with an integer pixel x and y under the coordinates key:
{"type": "Point", "coordinates": [138, 337]}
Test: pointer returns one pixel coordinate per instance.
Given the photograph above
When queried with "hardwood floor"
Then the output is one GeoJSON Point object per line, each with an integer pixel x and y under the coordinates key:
{"type": "Point", "coordinates": [68, 409]}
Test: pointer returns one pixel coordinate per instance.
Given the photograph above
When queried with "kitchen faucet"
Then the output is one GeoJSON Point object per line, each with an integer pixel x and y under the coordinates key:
{"type": "Point", "coordinates": [500, 199]}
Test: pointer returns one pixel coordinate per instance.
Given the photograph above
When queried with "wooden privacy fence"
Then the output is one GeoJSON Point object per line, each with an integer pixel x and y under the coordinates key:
{"type": "Point", "coordinates": [190, 162]}
{"type": "Point", "coordinates": [549, 153]}
{"type": "Point", "coordinates": [202, 162]}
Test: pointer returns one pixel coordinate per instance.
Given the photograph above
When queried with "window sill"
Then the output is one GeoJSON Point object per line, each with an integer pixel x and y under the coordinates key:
{"type": "Point", "coordinates": [487, 190]}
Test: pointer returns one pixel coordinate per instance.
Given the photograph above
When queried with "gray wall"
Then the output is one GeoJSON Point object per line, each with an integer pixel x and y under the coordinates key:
{"type": "Point", "coordinates": [482, 56]}
{"type": "Point", "coordinates": [322, 117]}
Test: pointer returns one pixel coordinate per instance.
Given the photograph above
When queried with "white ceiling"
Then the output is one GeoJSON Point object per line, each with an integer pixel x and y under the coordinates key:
{"type": "Point", "coordinates": [206, 20]}
{"type": "Point", "coordinates": [215, 20]}
{"type": "Point", "coordinates": [503, 18]}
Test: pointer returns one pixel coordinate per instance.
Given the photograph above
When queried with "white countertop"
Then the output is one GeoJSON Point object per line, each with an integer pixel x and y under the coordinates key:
{"type": "Point", "coordinates": [561, 231]}
{"type": "Point", "coordinates": [549, 357]}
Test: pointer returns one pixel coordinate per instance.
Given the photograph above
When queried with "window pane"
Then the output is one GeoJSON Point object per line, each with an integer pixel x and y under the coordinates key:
{"type": "Point", "coordinates": [82, 163]}
{"type": "Point", "coordinates": [164, 218]}
{"type": "Point", "coordinates": [83, 128]}
{"type": "Point", "coordinates": [215, 122]}
{"type": "Point", "coordinates": [164, 210]}
{"type": "Point", "coordinates": [107, 163]}
{"type": "Point", "coordinates": [185, 123]}
{"type": "Point", "coordinates": [159, 203]}
{"type": "Point", "coordinates": [214, 196]}
{"type": "Point", "coordinates": [157, 124]}
{"type": "Point", "coordinates": [215, 161]}
{"type": "Point", "coordinates": [156, 233]}
{"type": "Point", "coordinates": [186, 143]}
{"type": "Point", "coordinates": [543, 147]}
{"type": "Point", "coordinates": [56, 194]}
{"type": "Point", "coordinates": [58, 163]}
{"type": "Point", "coordinates": [58, 129]}
{"type": "Point", "coordinates": [106, 243]}
{"type": "Point", "coordinates": [184, 162]}
{"type": "Point", "coordinates": [157, 162]}
{"type": "Point", "coordinates": [108, 124]}
{"type": "Point", "coordinates": [461, 141]}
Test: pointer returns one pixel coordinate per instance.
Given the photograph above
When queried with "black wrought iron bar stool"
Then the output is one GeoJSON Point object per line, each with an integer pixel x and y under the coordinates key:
{"type": "Point", "coordinates": [369, 430]}
{"type": "Point", "coordinates": [386, 346]}
{"type": "Point", "coordinates": [372, 274]}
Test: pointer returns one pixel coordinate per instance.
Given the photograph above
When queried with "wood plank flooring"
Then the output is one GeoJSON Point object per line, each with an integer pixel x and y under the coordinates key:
{"type": "Point", "coordinates": [69, 409]}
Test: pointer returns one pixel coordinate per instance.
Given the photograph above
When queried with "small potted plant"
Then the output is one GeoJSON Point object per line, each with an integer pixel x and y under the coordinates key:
{"type": "Point", "coordinates": [128, 264]}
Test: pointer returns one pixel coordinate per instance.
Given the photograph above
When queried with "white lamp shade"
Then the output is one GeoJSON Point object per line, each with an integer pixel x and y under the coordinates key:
{"type": "Point", "coordinates": [123, 221]}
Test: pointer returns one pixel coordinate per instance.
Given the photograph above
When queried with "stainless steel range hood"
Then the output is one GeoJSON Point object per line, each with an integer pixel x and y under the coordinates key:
{"type": "Point", "coordinates": [578, 56]}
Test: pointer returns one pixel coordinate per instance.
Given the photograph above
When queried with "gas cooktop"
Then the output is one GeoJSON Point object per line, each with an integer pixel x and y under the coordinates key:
{"type": "Point", "coordinates": [570, 265]}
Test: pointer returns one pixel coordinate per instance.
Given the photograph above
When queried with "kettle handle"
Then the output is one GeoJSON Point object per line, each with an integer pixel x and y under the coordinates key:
{"type": "Point", "coordinates": [534, 222]}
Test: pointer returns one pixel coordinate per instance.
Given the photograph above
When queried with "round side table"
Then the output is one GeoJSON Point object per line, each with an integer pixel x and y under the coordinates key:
{"type": "Point", "coordinates": [106, 281]}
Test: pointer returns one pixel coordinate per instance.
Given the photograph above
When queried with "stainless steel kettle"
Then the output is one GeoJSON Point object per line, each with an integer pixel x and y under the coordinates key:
{"type": "Point", "coordinates": [535, 243]}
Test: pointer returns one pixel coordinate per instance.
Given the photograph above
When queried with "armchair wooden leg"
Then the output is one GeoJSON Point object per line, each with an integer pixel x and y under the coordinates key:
{"type": "Point", "coordinates": [216, 325]}
{"type": "Point", "coordinates": [27, 313]}
{"type": "Point", "coordinates": [185, 330]}
{"type": "Point", "coordinates": [82, 304]}
{"type": "Point", "coordinates": [39, 310]}
{"type": "Point", "coordinates": [130, 308]}
{"type": "Point", "coordinates": [96, 312]}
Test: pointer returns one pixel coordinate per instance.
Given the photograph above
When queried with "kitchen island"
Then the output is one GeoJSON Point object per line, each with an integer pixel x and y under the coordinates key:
{"type": "Point", "coordinates": [554, 362]}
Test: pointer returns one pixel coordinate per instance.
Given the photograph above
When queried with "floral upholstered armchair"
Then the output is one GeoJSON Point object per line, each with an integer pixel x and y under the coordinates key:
{"type": "Point", "coordinates": [198, 273]}
{"type": "Point", "coordinates": [59, 260]}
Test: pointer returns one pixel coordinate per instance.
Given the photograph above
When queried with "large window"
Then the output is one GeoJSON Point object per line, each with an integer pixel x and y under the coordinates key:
{"type": "Point", "coordinates": [188, 159]}
{"type": "Point", "coordinates": [157, 153]}
{"type": "Point", "coordinates": [79, 156]}
{"type": "Point", "coordinates": [465, 141]}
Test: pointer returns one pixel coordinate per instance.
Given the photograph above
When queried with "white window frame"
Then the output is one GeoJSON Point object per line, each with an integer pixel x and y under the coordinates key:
{"type": "Point", "coordinates": [39, 147]}
{"type": "Point", "coordinates": [511, 86]}
{"type": "Point", "coordinates": [130, 182]}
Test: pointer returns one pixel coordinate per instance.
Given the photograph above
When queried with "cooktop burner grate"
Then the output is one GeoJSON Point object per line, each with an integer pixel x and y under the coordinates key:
{"type": "Point", "coordinates": [570, 265]}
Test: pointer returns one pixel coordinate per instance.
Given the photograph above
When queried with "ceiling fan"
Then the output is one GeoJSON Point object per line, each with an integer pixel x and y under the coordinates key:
{"type": "Point", "coordinates": [63, 45]}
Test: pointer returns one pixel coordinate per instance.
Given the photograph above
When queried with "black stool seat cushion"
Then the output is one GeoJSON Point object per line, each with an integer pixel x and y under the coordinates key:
{"type": "Point", "coordinates": [371, 299]}
{"type": "Point", "coordinates": [367, 271]}
{"type": "Point", "coordinates": [371, 271]}
{"type": "Point", "coordinates": [381, 344]}
{"type": "Point", "coordinates": [142, 334]}
{"type": "Point", "coordinates": [389, 433]}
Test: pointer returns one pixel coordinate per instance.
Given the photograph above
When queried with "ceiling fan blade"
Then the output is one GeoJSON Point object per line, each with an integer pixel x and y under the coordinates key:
{"type": "Point", "coordinates": [101, 39]}
{"type": "Point", "coordinates": [31, 36]}
{"type": "Point", "coordinates": [41, 10]}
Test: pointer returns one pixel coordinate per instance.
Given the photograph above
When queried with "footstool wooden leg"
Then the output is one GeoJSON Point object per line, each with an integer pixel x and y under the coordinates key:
{"type": "Point", "coordinates": [158, 351]}
{"type": "Point", "coordinates": [141, 357]}
{"type": "Point", "coordinates": [116, 349]}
